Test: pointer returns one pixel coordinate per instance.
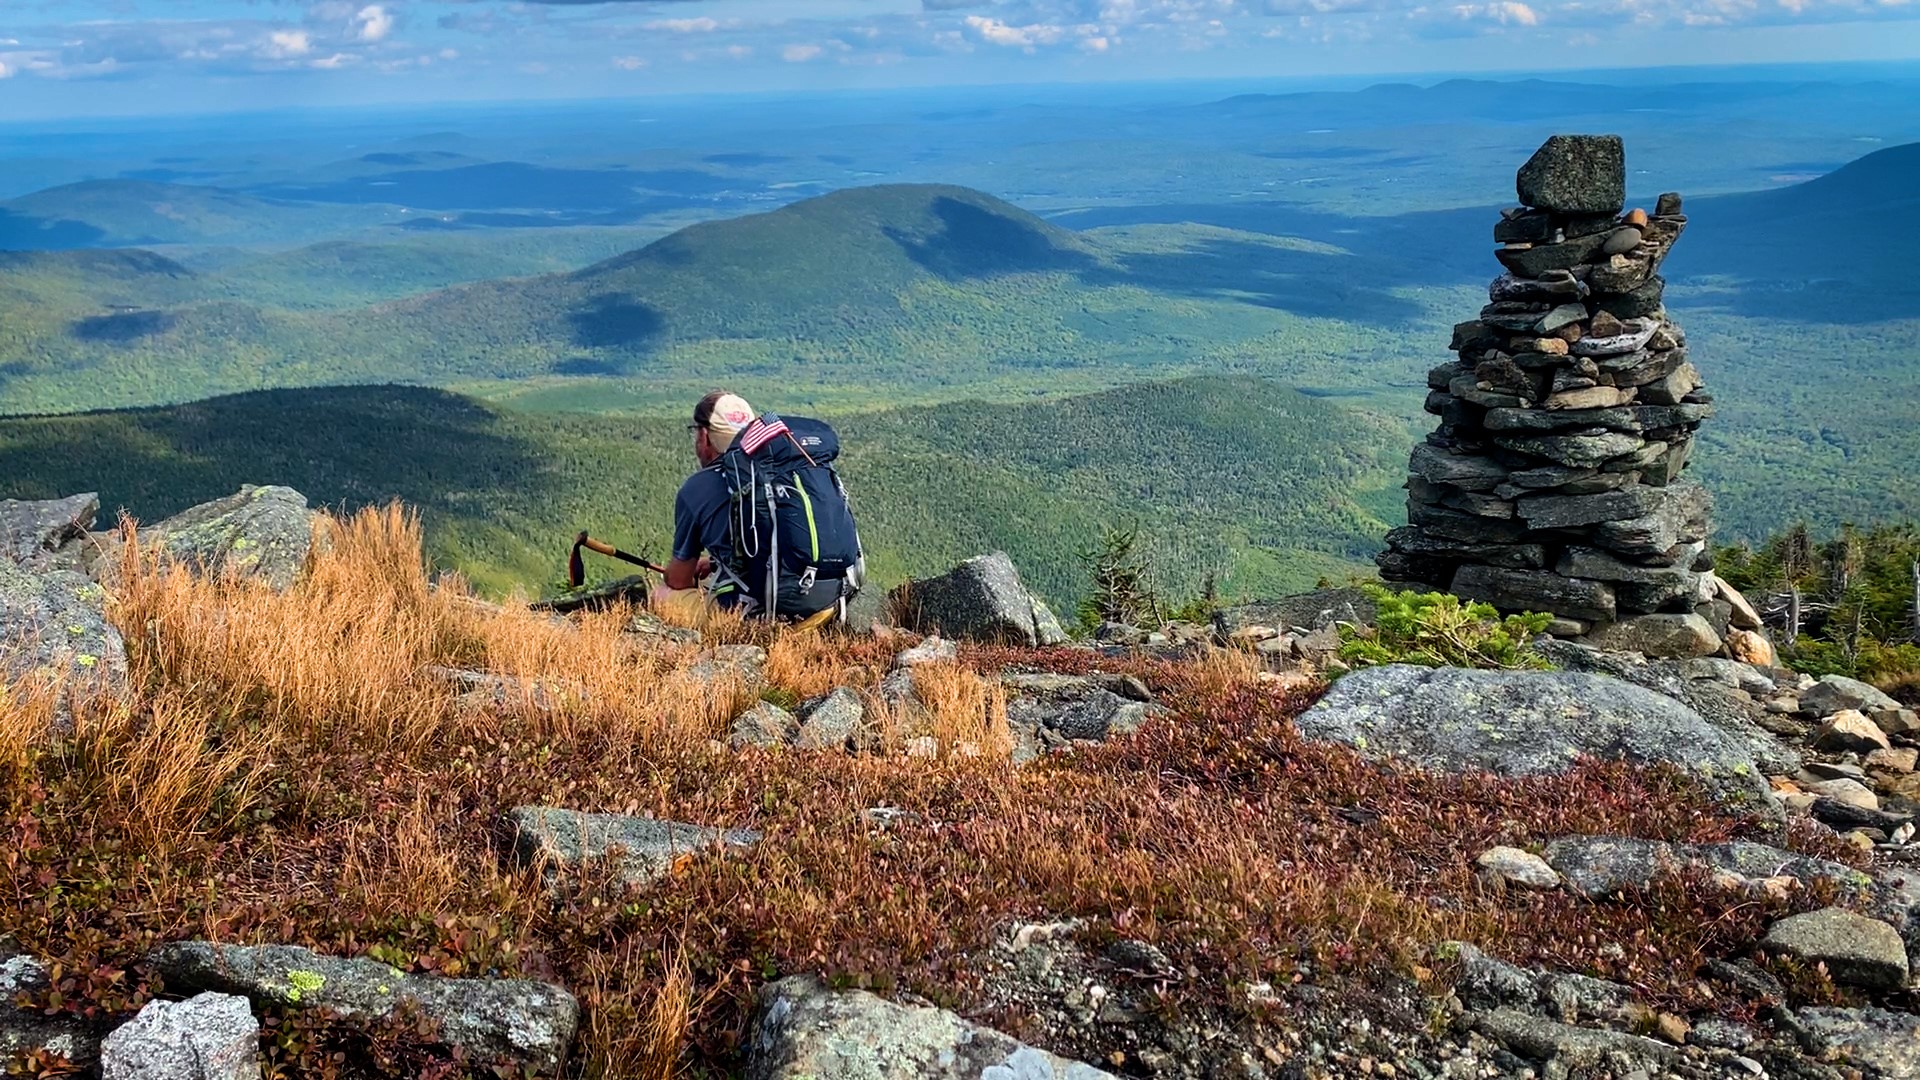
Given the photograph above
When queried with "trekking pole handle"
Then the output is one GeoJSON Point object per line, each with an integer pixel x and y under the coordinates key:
{"type": "Point", "coordinates": [602, 548]}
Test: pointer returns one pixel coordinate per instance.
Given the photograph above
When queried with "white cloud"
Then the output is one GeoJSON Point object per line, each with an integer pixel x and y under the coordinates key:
{"type": "Point", "coordinates": [1504, 12]}
{"type": "Point", "coordinates": [705, 24]}
{"type": "Point", "coordinates": [374, 22]}
{"type": "Point", "coordinates": [629, 63]}
{"type": "Point", "coordinates": [6, 70]}
{"type": "Point", "coordinates": [449, 54]}
{"type": "Point", "coordinates": [1096, 44]}
{"type": "Point", "coordinates": [739, 52]}
{"type": "Point", "coordinates": [334, 62]}
{"type": "Point", "coordinates": [800, 54]}
{"type": "Point", "coordinates": [995, 32]}
{"type": "Point", "coordinates": [286, 44]}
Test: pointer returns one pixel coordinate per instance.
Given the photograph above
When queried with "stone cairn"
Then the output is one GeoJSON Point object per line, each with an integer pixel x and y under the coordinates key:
{"type": "Point", "coordinates": [1553, 481]}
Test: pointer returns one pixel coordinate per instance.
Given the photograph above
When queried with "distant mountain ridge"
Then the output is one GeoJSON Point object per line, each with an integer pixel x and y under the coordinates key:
{"type": "Point", "coordinates": [139, 213]}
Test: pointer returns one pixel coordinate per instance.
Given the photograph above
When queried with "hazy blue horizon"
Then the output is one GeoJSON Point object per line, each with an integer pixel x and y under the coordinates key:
{"type": "Point", "coordinates": [1106, 93]}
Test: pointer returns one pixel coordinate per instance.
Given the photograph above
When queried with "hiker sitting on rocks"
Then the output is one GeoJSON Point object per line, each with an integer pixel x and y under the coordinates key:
{"type": "Point", "coordinates": [765, 521]}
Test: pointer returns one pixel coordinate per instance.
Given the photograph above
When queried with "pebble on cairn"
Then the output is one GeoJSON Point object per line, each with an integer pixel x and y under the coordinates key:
{"type": "Point", "coordinates": [1553, 482]}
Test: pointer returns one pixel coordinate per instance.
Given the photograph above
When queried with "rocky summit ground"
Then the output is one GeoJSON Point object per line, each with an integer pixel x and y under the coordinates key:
{"type": "Point", "coordinates": [303, 808]}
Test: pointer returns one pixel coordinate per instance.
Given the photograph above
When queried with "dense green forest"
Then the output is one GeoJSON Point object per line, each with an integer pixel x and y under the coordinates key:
{"type": "Point", "coordinates": [1262, 487]}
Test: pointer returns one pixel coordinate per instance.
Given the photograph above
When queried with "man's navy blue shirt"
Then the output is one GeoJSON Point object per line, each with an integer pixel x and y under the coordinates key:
{"type": "Point", "coordinates": [702, 514]}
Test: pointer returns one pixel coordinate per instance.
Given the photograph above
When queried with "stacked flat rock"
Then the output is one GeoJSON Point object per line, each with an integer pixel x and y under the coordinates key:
{"type": "Point", "coordinates": [1553, 482]}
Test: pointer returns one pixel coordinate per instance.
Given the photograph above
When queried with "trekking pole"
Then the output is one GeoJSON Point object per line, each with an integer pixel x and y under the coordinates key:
{"type": "Point", "coordinates": [577, 571]}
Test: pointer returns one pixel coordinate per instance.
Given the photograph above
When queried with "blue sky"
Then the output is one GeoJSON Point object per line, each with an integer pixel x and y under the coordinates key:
{"type": "Point", "coordinates": [80, 57]}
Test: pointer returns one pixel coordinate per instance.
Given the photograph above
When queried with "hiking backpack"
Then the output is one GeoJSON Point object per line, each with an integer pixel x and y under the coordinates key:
{"type": "Point", "coordinates": [791, 525]}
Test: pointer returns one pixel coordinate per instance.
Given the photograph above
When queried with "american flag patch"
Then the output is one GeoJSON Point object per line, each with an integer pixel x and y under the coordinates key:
{"type": "Point", "coordinates": [760, 434]}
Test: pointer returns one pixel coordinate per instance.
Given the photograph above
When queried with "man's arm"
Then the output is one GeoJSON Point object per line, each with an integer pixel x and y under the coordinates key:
{"type": "Point", "coordinates": [690, 526]}
{"type": "Point", "coordinates": [687, 573]}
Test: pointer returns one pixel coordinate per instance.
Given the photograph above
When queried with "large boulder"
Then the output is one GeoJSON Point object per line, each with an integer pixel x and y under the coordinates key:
{"type": "Point", "coordinates": [1575, 174]}
{"type": "Point", "coordinates": [207, 1037]}
{"type": "Point", "coordinates": [1856, 949]}
{"type": "Point", "coordinates": [804, 1031]}
{"type": "Point", "coordinates": [647, 848]}
{"type": "Point", "coordinates": [514, 1023]}
{"type": "Point", "coordinates": [983, 600]}
{"type": "Point", "coordinates": [54, 626]}
{"type": "Point", "coordinates": [33, 532]}
{"type": "Point", "coordinates": [30, 1031]}
{"type": "Point", "coordinates": [1836, 692]}
{"type": "Point", "coordinates": [260, 533]}
{"type": "Point", "coordinates": [1524, 722]}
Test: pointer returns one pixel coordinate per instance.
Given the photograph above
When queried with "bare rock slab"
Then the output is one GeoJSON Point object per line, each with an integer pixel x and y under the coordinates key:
{"type": "Point", "coordinates": [261, 533]}
{"type": "Point", "coordinates": [29, 1031]}
{"type": "Point", "coordinates": [207, 1037]}
{"type": "Point", "coordinates": [645, 847]}
{"type": "Point", "coordinates": [1886, 1041]}
{"type": "Point", "coordinates": [507, 1022]}
{"type": "Point", "coordinates": [32, 531]}
{"type": "Point", "coordinates": [54, 626]}
{"type": "Point", "coordinates": [1487, 983]}
{"type": "Point", "coordinates": [1577, 1048]}
{"type": "Point", "coordinates": [1523, 722]}
{"type": "Point", "coordinates": [804, 1031]}
{"type": "Point", "coordinates": [1598, 866]}
{"type": "Point", "coordinates": [1857, 950]}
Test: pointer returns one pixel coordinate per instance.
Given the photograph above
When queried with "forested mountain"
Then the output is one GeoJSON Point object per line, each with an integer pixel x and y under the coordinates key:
{"type": "Point", "coordinates": [908, 285]}
{"type": "Point", "coordinates": [1265, 487]}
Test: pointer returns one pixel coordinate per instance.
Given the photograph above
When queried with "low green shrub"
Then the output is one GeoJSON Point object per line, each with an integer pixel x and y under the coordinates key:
{"type": "Point", "coordinates": [1439, 630]}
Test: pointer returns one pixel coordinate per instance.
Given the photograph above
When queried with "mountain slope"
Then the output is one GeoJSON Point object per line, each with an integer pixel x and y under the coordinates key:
{"type": "Point", "coordinates": [1242, 477]}
{"type": "Point", "coordinates": [840, 263]}
{"type": "Point", "coordinates": [893, 286]}
{"type": "Point", "coordinates": [1854, 224]}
